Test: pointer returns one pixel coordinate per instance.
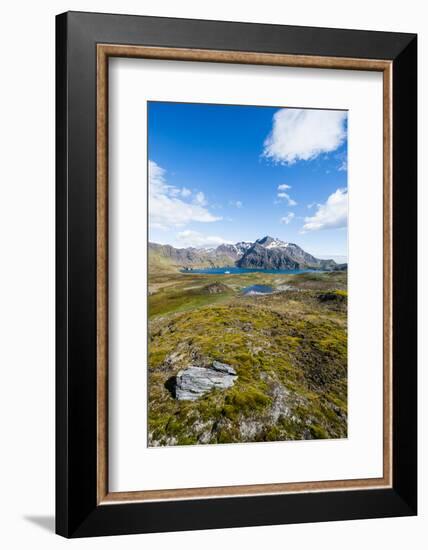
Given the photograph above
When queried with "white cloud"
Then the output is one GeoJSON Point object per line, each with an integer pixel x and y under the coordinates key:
{"type": "Point", "coordinates": [342, 158]}
{"type": "Point", "coordinates": [167, 209]}
{"type": "Point", "coordinates": [185, 192]}
{"type": "Point", "coordinates": [194, 238]}
{"type": "Point", "coordinates": [303, 134]}
{"type": "Point", "coordinates": [282, 196]}
{"type": "Point", "coordinates": [286, 197]}
{"type": "Point", "coordinates": [287, 219]}
{"type": "Point", "coordinates": [236, 204]}
{"type": "Point", "coordinates": [332, 214]}
{"type": "Point", "coordinates": [343, 166]}
{"type": "Point", "coordinates": [200, 199]}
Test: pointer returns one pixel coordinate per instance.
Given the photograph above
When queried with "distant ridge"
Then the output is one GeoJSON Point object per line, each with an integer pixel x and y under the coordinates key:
{"type": "Point", "coordinates": [264, 253]}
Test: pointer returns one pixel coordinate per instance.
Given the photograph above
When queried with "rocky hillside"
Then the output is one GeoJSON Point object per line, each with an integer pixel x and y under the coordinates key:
{"type": "Point", "coordinates": [269, 253]}
{"type": "Point", "coordinates": [232, 367]}
{"type": "Point", "coordinates": [265, 253]}
{"type": "Point", "coordinates": [167, 258]}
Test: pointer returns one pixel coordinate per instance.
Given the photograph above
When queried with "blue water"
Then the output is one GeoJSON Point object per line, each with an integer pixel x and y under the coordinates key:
{"type": "Point", "coordinates": [257, 289]}
{"type": "Point", "coordinates": [237, 270]}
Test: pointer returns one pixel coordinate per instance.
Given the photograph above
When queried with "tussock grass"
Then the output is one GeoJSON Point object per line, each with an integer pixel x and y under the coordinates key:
{"type": "Point", "coordinates": [288, 349]}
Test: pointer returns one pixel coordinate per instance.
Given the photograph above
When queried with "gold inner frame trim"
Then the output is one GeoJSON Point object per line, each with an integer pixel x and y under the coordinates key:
{"type": "Point", "coordinates": [104, 51]}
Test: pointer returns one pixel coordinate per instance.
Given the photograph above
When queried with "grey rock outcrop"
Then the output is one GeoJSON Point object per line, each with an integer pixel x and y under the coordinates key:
{"type": "Point", "coordinates": [193, 382]}
{"type": "Point", "coordinates": [216, 288]}
{"type": "Point", "coordinates": [223, 367]}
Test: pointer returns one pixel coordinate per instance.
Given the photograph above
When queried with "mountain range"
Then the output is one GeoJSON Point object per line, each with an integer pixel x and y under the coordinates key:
{"type": "Point", "coordinates": [264, 253]}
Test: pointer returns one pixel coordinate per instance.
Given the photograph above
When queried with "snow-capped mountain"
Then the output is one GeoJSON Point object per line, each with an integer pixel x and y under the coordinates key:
{"type": "Point", "coordinates": [270, 253]}
{"type": "Point", "coordinates": [264, 253]}
{"type": "Point", "coordinates": [234, 251]}
{"type": "Point", "coordinates": [269, 242]}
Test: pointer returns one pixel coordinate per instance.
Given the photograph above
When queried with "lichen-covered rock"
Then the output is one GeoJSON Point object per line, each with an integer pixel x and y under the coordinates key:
{"type": "Point", "coordinates": [335, 296]}
{"type": "Point", "coordinates": [215, 288]}
{"type": "Point", "coordinates": [223, 367]}
{"type": "Point", "coordinates": [193, 382]}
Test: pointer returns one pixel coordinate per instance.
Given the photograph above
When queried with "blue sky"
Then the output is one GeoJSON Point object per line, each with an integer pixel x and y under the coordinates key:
{"type": "Point", "coordinates": [221, 173]}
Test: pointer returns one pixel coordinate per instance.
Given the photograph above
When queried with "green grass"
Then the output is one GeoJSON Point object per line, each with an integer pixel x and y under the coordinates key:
{"type": "Point", "coordinates": [165, 302]}
{"type": "Point", "coordinates": [343, 293]}
{"type": "Point", "coordinates": [288, 349]}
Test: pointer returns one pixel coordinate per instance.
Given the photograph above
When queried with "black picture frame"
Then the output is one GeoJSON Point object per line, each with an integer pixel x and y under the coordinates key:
{"type": "Point", "coordinates": [77, 511]}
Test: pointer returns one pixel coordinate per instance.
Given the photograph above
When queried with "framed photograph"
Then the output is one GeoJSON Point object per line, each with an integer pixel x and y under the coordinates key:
{"type": "Point", "coordinates": [236, 274]}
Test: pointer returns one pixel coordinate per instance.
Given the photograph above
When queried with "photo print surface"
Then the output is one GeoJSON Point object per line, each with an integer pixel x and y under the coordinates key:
{"type": "Point", "coordinates": [247, 274]}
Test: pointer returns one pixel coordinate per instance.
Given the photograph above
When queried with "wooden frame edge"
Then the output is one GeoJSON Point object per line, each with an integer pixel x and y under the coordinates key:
{"type": "Point", "coordinates": [104, 51]}
{"type": "Point", "coordinates": [387, 276]}
{"type": "Point", "coordinates": [241, 57]}
{"type": "Point", "coordinates": [102, 275]}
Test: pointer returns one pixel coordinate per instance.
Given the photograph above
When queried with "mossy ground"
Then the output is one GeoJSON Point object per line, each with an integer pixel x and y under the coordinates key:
{"type": "Point", "coordinates": [288, 348]}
